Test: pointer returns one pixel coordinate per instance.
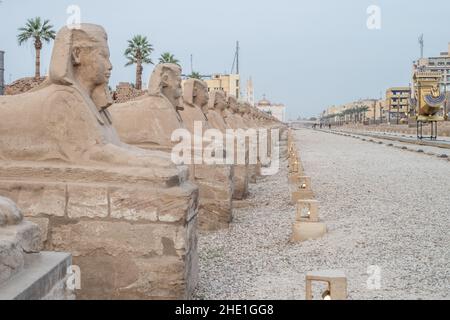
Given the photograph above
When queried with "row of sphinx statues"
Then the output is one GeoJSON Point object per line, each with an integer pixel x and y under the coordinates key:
{"type": "Point", "coordinates": [98, 178]}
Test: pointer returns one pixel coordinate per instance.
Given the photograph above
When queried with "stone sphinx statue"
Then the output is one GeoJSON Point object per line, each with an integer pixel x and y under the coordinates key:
{"type": "Point", "coordinates": [67, 119]}
{"type": "Point", "coordinates": [217, 112]}
{"type": "Point", "coordinates": [127, 214]}
{"type": "Point", "coordinates": [232, 116]}
{"type": "Point", "coordinates": [195, 99]}
{"type": "Point", "coordinates": [247, 115]}
{"type": "Point", "coordinates": [216, 106]}
{"type": "Point", "coordinates": [150, 120]}
{"type": "Point", "coordinates": [216, 182]}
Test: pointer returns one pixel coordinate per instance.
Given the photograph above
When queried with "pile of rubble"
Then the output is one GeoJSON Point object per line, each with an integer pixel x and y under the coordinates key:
{"type": "Point", "coordinates": [23, 85]}
{"type": "Point", "coordinates": [126, 92]}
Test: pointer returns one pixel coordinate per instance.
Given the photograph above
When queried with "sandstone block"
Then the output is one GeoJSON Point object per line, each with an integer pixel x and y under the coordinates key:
{"type": "Point", "coordinates": [304, 231]}
{"type": "Point", "coordinates": [87, 202]}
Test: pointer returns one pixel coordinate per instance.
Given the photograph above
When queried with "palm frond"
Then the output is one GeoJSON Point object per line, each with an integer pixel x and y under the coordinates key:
{"type": "Point", "coordinates": [138, 46]}
{"type": "Point", "coordinates": [35, 29]}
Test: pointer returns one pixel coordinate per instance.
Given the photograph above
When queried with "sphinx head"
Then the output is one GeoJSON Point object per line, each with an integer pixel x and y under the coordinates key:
{"type": "Point", "coordinates": [196, 93]}
{"type": "Point", "coordinates": [217, 100]}
{"type": "Point", "coordinates": [81, 58]}
{"type": "Point", "coordinates": [241, 108]}
{"type": "Point", "coordinates": [247, 109]}
{"type": "Point", "coordinates": [166, 81]}
{"type": "Point", "coordinates": [233, 104]}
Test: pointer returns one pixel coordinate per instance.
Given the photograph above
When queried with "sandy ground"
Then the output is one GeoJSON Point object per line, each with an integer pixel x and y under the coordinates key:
{"type": "Point", "coordinates": [383, 206]}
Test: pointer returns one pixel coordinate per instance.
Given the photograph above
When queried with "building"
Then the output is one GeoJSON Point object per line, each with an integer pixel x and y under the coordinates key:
{"type": "Point", "coordinates": [229, 83]}
{"type": "Point", "coordinates": [2, 72]}
{"type": "Point", "coordinates": [277, 110]}
{"type": "Point", "coordinates": [398, 104]}
{"type": "Point", "coordinates": [250, 92]}
{"type": "Point", "coordinates": [436, 64]}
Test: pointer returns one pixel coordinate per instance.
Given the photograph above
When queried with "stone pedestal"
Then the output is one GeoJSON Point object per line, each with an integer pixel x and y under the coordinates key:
{"type": "Point", "coordinates": [131, 237]}
{"type": "Point", "coordinates": [216, 190]}
{"type": "Point", "coordinates": [294, 178]}
{"type": "Point", "coordinates": [302, 190]}
{"type": "Point", "coordinates": [254, 171]}
{"type": "Point", "coordinates": [43, 277]}
{"type": "Point", "coordinates": [336, 280]}
{"type": "Point", "coordinates": [25, 272]}
{"type": "Point", "coordinates": [307, 225]}
{"type": "Point", "coordinates": [308, 211]}
{"type": "Point", "coordinates": [304, 231]}
{"type": "Point", "coordinates": [17, 242]}
{"type": "Point", "coordinates": [241, 180]}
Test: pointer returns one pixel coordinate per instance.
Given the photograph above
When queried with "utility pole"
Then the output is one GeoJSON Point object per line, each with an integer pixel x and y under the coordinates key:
{"type": "Point", "coordinates": [422, 44]}
{"type": "Point", "coordinates": [237, 57]}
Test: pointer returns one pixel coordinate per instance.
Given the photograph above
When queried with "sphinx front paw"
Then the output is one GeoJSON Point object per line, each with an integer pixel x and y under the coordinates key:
{"type": "Point", "coordinates": [9, 213]}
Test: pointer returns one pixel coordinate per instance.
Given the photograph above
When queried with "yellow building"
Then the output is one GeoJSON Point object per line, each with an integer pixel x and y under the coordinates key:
{"type": "Point", "coordinates": [229, 83]}
{"type": "Point", "coordinates": [398, 103]}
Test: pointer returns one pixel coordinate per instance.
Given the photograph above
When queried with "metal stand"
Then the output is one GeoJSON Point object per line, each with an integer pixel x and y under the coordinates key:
{"type": "Point", "coordinates": [434, 130]}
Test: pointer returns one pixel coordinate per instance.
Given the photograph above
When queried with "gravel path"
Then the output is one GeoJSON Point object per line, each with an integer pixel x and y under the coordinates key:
{"type": "Point", "coordinates": [383, 206]}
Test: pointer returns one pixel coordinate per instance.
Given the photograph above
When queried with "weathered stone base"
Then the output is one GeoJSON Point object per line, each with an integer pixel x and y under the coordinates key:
{"type": "Point", "coordinates": [284, 146]}
{"type": "Point", "coordinates": [131, 240]}
{"type": "Point", "coordinates": [301, 195]}
{"type": "Point", "coordinates": [17, 243]}
{"type": "Point", "coordinates": [216, 194]}
{"type": "Point", "coordinates": [241, 180]}
{"type": "Point", "coordinates": [303, 231]}
{"type": "Point", "coordinates": [43, 277]}
{"type": "Point", "coordinates": [254, 171]}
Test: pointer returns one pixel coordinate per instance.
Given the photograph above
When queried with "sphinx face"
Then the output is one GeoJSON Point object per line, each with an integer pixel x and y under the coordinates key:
{"type": "Point", "coordinates": [201, 96]}
{"type": "Point", "coordinates": [172, 88]}
{"type": "Point", "coordinates": [221, 102]}
{"type": "Point", "coordinates": [93, 67]}
{"type": "Point", "coordinates": [233, 105]}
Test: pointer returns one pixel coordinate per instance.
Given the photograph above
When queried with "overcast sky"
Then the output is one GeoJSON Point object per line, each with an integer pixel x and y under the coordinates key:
{"type": "Point", "coordinates": [306, 54]}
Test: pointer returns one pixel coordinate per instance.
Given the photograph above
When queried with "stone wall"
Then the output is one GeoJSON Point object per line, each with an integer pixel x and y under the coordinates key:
{"type": "Point", "coordinates": [130, 241]}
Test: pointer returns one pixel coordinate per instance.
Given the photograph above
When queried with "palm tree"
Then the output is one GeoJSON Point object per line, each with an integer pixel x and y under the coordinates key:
{"type": "Point", "coordinates": [364, 110]}
{"type": "Point", "coordinates": [38, 31]}
{"type": "Point", "coordinates": [138, 52]}
{"type": "Point", "coordinates": [167, 57]}
{"type": "Point", "coordinates": [195, 75]}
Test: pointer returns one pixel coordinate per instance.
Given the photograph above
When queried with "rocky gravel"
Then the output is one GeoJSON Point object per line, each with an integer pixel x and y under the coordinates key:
{"type": "Point", "coordinates": [383, 206]}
